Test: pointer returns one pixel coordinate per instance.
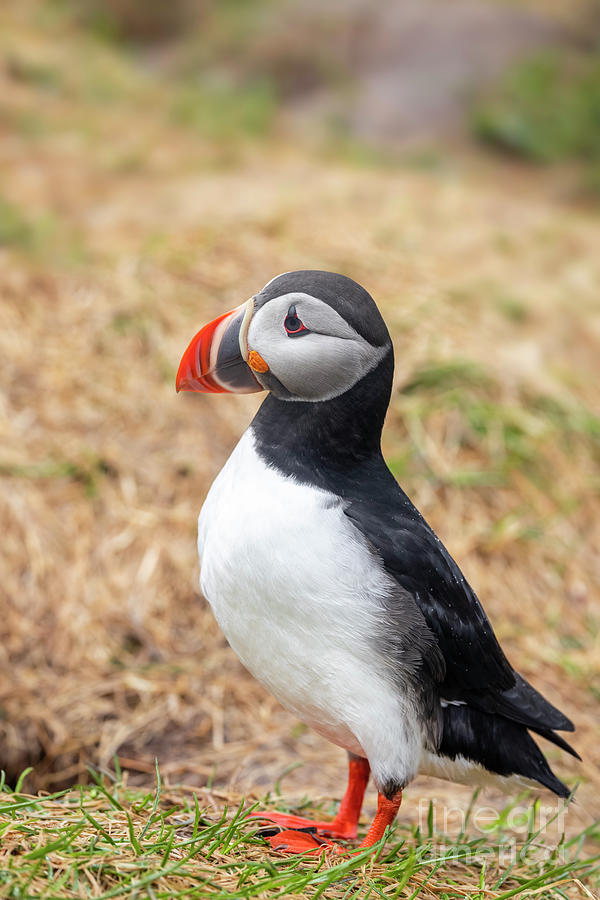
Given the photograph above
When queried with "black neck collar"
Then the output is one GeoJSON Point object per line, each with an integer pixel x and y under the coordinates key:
{"type": "Point", "coordinates": [323, 443]}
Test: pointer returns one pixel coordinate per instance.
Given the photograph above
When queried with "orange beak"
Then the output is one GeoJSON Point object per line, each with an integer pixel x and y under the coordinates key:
{"type": "Point", "coordinates": [215, 361]}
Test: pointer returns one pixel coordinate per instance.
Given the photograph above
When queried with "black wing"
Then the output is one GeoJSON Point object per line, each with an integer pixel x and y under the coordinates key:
{"type": "Point", "coordinates": [476, 670]}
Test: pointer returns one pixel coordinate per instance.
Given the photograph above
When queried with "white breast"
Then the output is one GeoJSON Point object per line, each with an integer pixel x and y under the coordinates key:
{"type": "Point", "coordinates": [298, 594]}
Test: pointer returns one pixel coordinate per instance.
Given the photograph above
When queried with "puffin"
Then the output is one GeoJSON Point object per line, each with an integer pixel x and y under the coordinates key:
{"type": "Point", "coordinates": [328, 583]}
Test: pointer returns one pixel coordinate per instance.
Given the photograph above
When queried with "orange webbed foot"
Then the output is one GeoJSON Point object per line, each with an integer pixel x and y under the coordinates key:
{"type": "Point", "coordinates": [310, 842]}
{"type": "Point", "coordinates": [304, 842]}
{"type": "Point", "coordinates": [345, 830]}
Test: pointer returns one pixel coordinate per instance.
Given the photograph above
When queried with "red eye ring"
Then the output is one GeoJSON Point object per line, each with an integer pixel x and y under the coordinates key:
{"type": "Point", "coordinates": [293, 325]}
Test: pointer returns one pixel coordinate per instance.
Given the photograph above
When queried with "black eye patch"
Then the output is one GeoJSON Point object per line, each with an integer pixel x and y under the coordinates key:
{"type": "Point", "coordinates": [294, 326]}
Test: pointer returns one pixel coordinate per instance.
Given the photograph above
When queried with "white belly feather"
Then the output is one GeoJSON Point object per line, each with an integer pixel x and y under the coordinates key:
{"type": "Point", "coordinates": [297, 594]}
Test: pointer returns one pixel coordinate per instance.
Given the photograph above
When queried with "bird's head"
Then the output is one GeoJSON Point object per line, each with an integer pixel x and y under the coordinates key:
{"type": "Point", "coordinates": [307, 336]}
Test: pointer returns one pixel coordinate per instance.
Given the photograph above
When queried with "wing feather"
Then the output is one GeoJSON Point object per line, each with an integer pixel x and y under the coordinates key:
{"type": "Point", "coordinates": [477, 671]}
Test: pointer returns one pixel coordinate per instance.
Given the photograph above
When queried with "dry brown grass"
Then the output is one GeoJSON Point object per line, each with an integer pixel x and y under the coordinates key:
{"type": "Point", "coordinates": [126, 234]}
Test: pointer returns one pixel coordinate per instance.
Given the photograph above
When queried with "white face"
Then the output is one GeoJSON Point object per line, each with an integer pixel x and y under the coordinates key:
{"type": "Point", "coordinates": [320, 360]}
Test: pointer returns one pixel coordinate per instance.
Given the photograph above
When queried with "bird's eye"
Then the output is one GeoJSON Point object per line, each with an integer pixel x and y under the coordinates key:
{"type": "Point", "coordinates": [294, 326]}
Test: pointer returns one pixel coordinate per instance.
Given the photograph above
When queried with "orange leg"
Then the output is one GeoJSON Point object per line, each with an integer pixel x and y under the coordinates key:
{"type": "Point", "coordinates": [385, 815]}
{"type": "Point", "coordinates": [344, 825]}
{"type": "Point", "coordinates": [302, 842]}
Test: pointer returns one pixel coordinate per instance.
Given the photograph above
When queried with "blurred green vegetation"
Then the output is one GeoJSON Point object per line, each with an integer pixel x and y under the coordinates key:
{"type": "Point", "coordinates": [222, 109]}
{"type": "Point", "coordinates": [40, 237]}
{"type": "Point", "coordinates": [547, 109]}
{"type": "Point", "coordinates": [232, 66]}
{"type": "Point", "coordinates": [15, 229]}
{"type": "Point", "coordinates": [131, 21]}
{"type": "Point", "coordinates": [199, 51]}
{"type": "Point", "coordinates": [467, 402]}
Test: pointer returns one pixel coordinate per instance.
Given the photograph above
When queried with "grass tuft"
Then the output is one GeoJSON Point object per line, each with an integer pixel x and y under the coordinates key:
{"type": "Point", "coordinates": [108, 840]}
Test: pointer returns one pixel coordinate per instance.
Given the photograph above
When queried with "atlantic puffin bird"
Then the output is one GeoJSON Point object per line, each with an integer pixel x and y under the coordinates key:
{"type": "Point", "coordinates": [328, 583]}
